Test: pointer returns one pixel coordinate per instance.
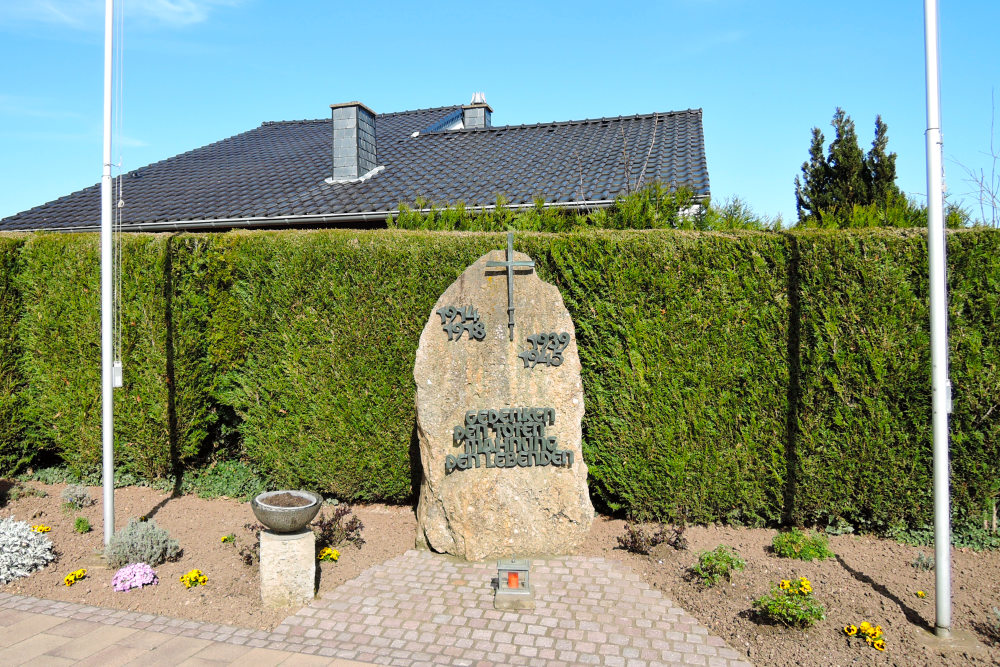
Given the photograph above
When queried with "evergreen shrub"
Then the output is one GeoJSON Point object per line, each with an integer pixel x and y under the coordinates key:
{"type": "Point", "coordinates": [654, 206]}
{"type": "Point", "coordinates": [14, 451]}
{"type": "Point", "coordinates": [801, 546]}
{"type": "Point", "coordinates": [746, 377]}
{"type": "Point", "coordinates": [231, 479]}
{"type": "Point", "coordinates": [672, 338]}
{"type": "Point", "coordinates": [862, 447]}
{"type": "Point", "coordinates": [161, 416]}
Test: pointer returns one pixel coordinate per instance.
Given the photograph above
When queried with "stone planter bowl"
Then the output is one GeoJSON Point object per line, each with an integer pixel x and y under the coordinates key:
{"type": "Point", "coordinates": [286, 519]}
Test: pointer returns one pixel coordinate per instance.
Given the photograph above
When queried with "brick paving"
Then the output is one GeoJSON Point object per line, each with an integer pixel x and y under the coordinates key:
{"type": "Point", "coordinates": [417, 609]}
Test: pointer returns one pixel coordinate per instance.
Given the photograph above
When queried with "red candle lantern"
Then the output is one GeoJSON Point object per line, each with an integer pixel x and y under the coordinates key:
{"type": "Point", "coordinates": [513, 585]}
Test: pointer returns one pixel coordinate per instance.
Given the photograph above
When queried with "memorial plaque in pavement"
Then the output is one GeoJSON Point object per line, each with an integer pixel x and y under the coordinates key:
{"type": "Point", "coordinates": [499, 411]}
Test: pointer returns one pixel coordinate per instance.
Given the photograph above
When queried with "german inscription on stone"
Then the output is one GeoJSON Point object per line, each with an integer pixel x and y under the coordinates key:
{"type": "Point", "coordinates": [506, 438]}
{"type": "Point", "coordinates": [545, 349]}
{"type": "Point", "coordinates": [456, 321]}
{"type": "Point", "coordinates": [499, 425]}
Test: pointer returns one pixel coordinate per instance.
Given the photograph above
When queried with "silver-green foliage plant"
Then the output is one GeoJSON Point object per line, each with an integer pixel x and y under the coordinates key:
{"type": "Point", "coordinates": [140, 542]}
{"type": "Point", "coordinates": [923, 562]}
{"type": "Point", "coordinates": [77, 495]}
{"type": "Point", "coordinates": [22, 551]}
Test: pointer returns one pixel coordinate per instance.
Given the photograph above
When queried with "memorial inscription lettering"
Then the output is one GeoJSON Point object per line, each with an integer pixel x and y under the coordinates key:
{"type": "Point", "coordinates": [458, 320]}
{"type": "Point", "coordinates": [506, 438]}
{"type": "Point", "coordinates": [546, 349]}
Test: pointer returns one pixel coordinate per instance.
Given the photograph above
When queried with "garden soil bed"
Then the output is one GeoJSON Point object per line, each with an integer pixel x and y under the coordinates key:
{"type": "Point", "coordinates": [870, 580]}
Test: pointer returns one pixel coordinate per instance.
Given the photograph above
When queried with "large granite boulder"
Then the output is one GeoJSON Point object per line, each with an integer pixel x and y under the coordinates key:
{"type": "Point", "coordinates": [498, 420]}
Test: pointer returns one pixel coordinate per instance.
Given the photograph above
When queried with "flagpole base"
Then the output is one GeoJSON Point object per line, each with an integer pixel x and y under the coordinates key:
{"type": "Point", "coordinates": [954, 641]}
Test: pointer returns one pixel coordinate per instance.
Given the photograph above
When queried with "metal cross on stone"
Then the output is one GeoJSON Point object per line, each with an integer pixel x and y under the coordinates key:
{"type": "Point", "coordinates": [509, 265]}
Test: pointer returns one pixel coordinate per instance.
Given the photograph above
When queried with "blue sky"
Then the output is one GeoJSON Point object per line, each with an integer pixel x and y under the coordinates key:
{"type": "Point", "coordinates": [196, 71]}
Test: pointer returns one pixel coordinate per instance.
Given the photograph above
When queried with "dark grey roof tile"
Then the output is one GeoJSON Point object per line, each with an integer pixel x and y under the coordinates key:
{"type": "Point", "coordinates": [279, 169]}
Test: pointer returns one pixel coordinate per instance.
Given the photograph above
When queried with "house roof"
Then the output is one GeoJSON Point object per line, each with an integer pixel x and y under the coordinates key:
{"type": "Point", "coordinates": [276, 174]}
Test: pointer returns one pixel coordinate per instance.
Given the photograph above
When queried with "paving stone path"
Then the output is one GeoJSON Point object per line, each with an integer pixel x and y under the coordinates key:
{"type": "Point", "coordinates": [417, 609]}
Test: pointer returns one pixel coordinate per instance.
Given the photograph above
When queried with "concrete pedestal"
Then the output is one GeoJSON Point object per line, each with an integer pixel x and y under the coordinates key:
{"type": "Point", "coordinates": [509, 601]}
{"type": "Point", "coordinates": [287, 568]}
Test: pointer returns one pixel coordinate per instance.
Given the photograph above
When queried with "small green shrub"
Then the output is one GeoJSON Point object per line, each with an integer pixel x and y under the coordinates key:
{"type": "Point", "coordinates": [22, 550]}
{"type": "Point", "coordinates": [52, 475]}
{"type": "Point", "coordinates": [141, 542]}
{"type": "Point", "coordinates": [975, 538]}
{"type": "Point", "coordinates": [965, 534]}
{"type": "Point", "coordinates": [333, 532]}
{"type": "Point", "coordinates": [790, 603]}
{"type": "Point", "coordinates": [77, 496]}
{"type": "Point", "coordinates": [64, 475]}
{"type": "Point", "coordinates": [10, 491]}
{"type": "Point", "coordinates": [654, 206]}
{"type": "Point", "coordinates": [801, 546]}
{"type": "Point", "coordinates": [839, 527]}
{"type": "Point", "coordinates": [232, 479]}
{"type": "Point", "coordinates": [718, 563]}
{"type": "Point", "coordinates": [82, 525]}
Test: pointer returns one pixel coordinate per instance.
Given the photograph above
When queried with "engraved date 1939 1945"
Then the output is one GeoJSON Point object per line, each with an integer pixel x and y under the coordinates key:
{"type": "Point", "coordinates": [458, 320]}
{"type": "Point", "coordinates": [545, 349]}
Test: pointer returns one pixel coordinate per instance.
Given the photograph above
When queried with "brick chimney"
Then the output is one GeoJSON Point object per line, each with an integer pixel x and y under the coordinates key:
{"type": "Point", "coordinates": [354, 148]}
{"type": "Point", "coordinates": [477, 113]}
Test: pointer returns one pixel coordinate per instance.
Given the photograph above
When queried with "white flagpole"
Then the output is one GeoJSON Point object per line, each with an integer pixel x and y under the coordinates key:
{"type": "Point", "coordinates": [940, 384]}
{"type": "Point", "coordinates": [107, 354]}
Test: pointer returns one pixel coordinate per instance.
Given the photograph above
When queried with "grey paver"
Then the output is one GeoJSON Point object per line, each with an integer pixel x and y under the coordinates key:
{"type": "Point", "coordinates": [394, 613]}
{"type": "Point", "coordinates": [30, 649]}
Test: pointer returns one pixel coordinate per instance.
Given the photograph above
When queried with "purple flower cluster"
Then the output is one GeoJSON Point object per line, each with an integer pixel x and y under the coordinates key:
{"type": "Point", "coordinates": [135, 575]}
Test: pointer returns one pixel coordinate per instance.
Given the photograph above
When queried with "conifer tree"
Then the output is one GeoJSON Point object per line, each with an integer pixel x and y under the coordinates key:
{"type": "Point", "coordinates": [880, 167]}
{"type": "Point", "coordinates": [846, 177]}
{"type": "Point", "coordinates": [812, 193]}
{"type": "Point", "coordinates": [847, 163]}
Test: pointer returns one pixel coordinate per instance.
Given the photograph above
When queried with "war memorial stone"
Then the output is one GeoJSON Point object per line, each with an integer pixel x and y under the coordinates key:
{"type": "Point", "coordinates": [499, 412]}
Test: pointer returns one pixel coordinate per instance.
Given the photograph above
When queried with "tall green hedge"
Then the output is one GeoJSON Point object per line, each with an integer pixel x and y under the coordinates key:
{"type": "Point", "coordinates": [321, 331]}
{"type": "Point", "coordinates": [864, 444]}
{"type": "Point", "coordinates": [13, 448]}
{"type": "Point", "coordinates": [59, 333]}
{"type": "Point", "coordinates": [682, 341]}
{"type": "Point", "coordinates": [751, 377]}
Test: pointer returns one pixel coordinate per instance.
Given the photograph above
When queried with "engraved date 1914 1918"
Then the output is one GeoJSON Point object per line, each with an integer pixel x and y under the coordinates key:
{"type": "Point", "coordinates": [458, 320]}
{"type": "Point", "coordinates": [545, 349]}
